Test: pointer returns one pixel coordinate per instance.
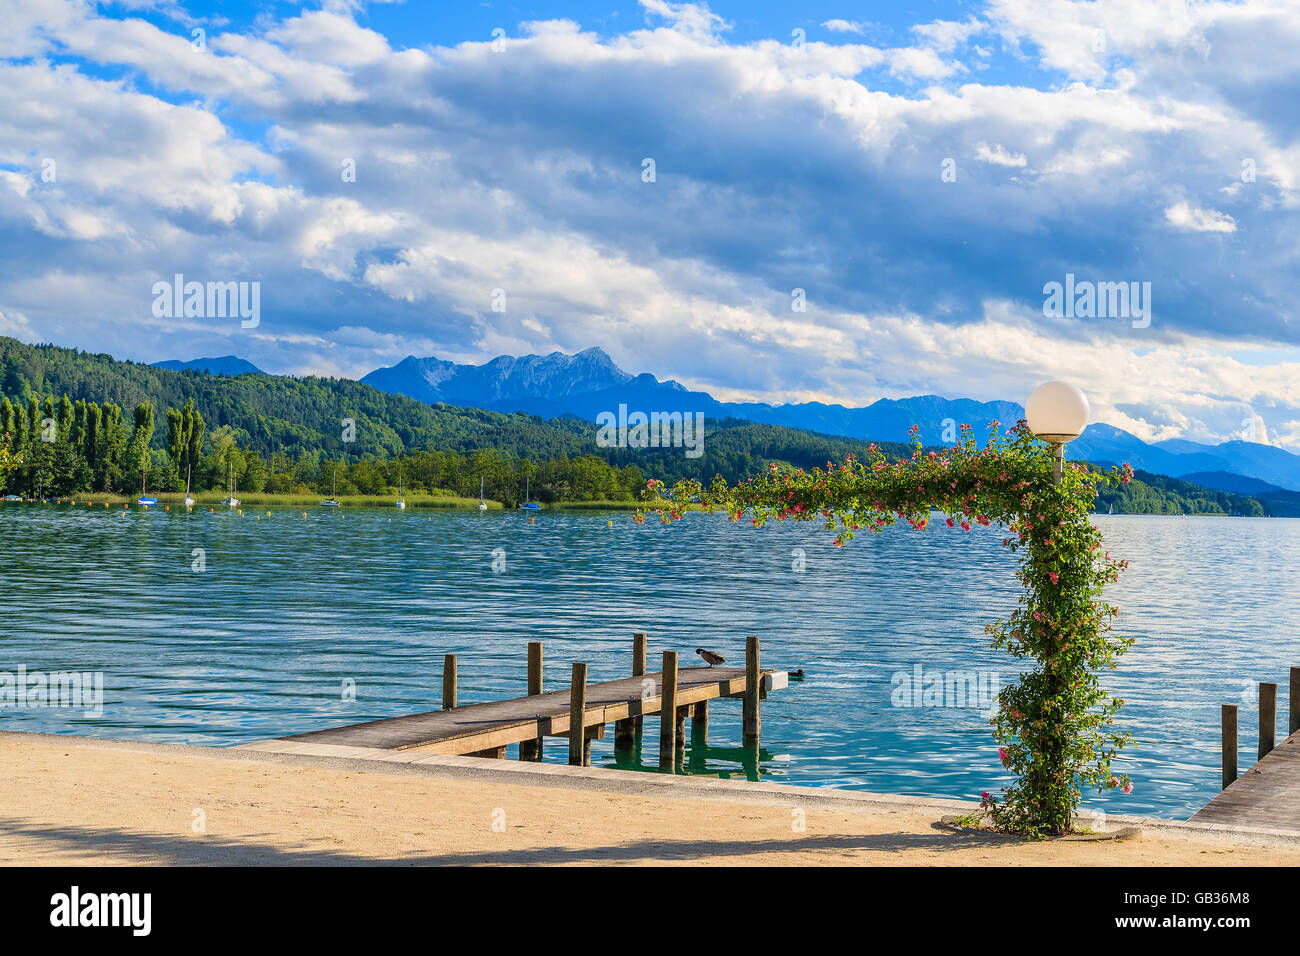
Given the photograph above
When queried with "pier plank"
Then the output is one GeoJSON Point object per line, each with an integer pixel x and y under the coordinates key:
{"type": "Point", "coordinates": [1265, 796]}
{"type": "Point", "coordinates": [473, 728]}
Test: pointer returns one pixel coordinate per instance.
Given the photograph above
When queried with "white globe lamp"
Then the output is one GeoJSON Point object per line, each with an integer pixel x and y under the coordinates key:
{"type": "Point", "coordinates": [1057, 412]}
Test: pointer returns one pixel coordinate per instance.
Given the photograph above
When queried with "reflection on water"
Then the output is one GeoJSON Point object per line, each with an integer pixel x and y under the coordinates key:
{"type": "Point", "coordinates": [289, 609]}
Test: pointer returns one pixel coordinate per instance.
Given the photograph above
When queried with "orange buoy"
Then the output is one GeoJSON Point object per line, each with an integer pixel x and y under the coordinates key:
{"type": "Point", "coordinates": [532, 520]}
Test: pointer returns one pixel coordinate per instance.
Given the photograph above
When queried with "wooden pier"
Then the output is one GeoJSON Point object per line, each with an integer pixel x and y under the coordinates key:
{"type": "Point", "coordinates": [1267, 796]}
{"type": "Point", "coordinates": [578, 712]}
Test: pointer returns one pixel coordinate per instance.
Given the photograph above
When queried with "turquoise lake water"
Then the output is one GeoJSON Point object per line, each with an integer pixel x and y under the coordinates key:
{"type": "Point", "coordinates": [261, 643]}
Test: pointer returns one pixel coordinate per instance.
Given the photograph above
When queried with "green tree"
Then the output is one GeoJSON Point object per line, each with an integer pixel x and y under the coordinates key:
{"type": "Point", "coordinates": [141, 437]}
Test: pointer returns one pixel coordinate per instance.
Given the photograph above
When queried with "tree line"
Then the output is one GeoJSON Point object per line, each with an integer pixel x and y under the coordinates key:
{"type": "Point", "coordinates": [64, 448]}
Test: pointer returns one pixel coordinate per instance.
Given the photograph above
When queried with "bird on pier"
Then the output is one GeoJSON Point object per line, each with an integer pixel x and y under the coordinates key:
{"type": "Point", "coordinates": [710, 657]}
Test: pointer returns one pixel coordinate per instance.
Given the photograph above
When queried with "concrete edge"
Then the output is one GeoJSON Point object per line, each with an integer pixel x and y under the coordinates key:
{"type": "Point", "coordinates": [607, 780]}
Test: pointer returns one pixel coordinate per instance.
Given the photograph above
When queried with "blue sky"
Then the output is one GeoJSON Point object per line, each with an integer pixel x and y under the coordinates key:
{"type": "Point", "coordinates": [920, 171]}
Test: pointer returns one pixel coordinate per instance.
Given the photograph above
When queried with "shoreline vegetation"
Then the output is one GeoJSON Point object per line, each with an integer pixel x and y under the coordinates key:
{"type": "Point", "coordinates": [205, 500]}
{"type": "Point", "coordinates": [259, 500]}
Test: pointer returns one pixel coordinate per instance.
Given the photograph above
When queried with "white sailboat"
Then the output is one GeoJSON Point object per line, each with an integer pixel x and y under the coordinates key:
{"type": "Point", "coordinates": [331, 501]}
{"type": "Point", "coordinates": [231, 501]}
{"type": "Point", "coordinates": [189, 502]}
{"type": "Point", "coordinates": [482, 505]}
{"type": "Point", "coordinates": [401, 502]}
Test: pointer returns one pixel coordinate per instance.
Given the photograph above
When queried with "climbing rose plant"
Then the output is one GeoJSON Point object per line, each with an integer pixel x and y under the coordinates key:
{"type": "Point", "coordinates": [1054, 726]}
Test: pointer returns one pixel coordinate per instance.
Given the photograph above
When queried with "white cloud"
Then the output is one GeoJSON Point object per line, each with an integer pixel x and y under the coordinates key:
{"type": "Point", "coordinates": [844, 26]}
{"type": "Point", "coordinates": [997, 155]}
{"type": "Point", "coordinates": [1192, 219]}
{"type": "Point", "coordinates": [946, 35]}
{"type": "Point", "coordinates": [776, 168]}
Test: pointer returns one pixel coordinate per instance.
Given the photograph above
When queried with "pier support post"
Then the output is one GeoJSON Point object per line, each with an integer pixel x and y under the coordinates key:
{"type": "Point", "coordinates": [700, 724]}
{"type": "Point", "coordinates": [753, 687]}
{"type": "Point", "coordinates": [679, 728]}
{"type": "Point", "coordinates": [1229, 744]}
{"type": "Point", "coordinates": [668, 712]}
{"type": "Point", "coordinates": [1294, 701]}
{"type": "Point", "coordinates": [449, 682]}
{"type": "Point", "coordinates": [627, 730]}
{"type": "Point", "coordinates": [532, 749]}
{"type": "Point", "coordinates": [579, 746]}
{"type": "Point", "coordinates": [1267, 718]}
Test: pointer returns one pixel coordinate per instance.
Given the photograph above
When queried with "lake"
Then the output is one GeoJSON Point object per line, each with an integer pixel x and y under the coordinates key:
{"type": "Point", "coordinates": [288, 609]}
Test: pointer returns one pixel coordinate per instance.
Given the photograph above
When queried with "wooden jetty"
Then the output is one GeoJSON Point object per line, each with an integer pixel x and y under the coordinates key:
{"type": "Point", "coordinates": [1267, 796]}
{"type": "Point", "coordinates": [578, 712]}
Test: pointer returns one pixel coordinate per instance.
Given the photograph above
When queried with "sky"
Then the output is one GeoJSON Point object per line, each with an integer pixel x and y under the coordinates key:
{"type": "Point", "coordinates": [773, 201]}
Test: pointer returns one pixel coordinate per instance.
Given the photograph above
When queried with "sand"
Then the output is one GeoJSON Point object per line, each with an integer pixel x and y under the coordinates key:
{"type": "Point", "coordinates": [68, 802]}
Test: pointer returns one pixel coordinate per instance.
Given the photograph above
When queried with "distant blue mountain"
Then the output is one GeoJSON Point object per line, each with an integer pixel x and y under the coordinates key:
{"type": "Point", "coordinates": [588, 383]}
{"type": "Point", "coordinates": [225, 365]}
{"type": "Point", "coordinates": [1227, 481]}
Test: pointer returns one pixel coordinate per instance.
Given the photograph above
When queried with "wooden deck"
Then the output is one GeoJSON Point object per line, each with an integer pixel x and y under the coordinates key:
{"type": "Point", "coordinates": [1267, 796]}
{"type": "Point", "coordinates": [475, 728]}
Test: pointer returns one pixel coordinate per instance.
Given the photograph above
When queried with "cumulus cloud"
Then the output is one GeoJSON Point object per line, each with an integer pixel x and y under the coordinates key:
{"type": "Point", "coordinates": [998, 155]}
{"type": "Point", "coordinates": [382, 193]}
{"type": "Point", "coordinates": [1191, 219]}
{"type": "Point", "coordinates": [844, 26]}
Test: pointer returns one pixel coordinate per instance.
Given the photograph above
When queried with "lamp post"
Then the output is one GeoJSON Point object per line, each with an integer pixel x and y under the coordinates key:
{"type": "Point", "coordinates": [1057, 413]}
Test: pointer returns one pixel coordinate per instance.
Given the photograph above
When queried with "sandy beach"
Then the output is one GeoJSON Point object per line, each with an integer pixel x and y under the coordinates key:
{"type": "Point", "coordinates": [69, 801]}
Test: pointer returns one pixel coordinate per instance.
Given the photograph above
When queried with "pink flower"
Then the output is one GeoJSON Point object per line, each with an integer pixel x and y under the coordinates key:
{"type": "Point", "coordinates": [1113, 782]}
{"type": "Point", "coordinates": [1052, 575]}
{"type": "Point", "coordinates": [1002, 754]}
{"type": "Point", "coordinates": [1128, 787]}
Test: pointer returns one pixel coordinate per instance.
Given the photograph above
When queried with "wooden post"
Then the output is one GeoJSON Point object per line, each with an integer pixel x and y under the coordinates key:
{"type": "Point", "coordinates": [668, 712]}
{"type": "Point", "coordinates": [638, 666]}
{"type": "Point", "coordinates": [1229, 744]}
{"type": "Point", "coordinates": [752, 681]}
{"type": "Point", "coordinates": [532, 749]}
{"type": "Point", "coordinates": [679, 729]}
{"type": "Point", "coordinates": [578, 746]}
{"type": "Point", "coordinates": [1294, 701]}
{"type": "Point", "coordinates": [700, 724]}
{"type": "Point", "coordinates": [1267, 718]}
{"type": "Point", "coordinates": [449, 682]}
{"type": "Point", "coordinates": [626, 730]}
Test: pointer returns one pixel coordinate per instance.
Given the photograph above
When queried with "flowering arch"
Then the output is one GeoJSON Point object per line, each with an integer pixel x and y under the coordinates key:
{"type": "Point", "coordinates": [1054, 726]}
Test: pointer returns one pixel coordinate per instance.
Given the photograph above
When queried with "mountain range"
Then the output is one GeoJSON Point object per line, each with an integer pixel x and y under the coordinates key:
{"type": "Point", "coordinates": [587, 383]}
{"type": "Point", "coordinates": [225, 365]}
